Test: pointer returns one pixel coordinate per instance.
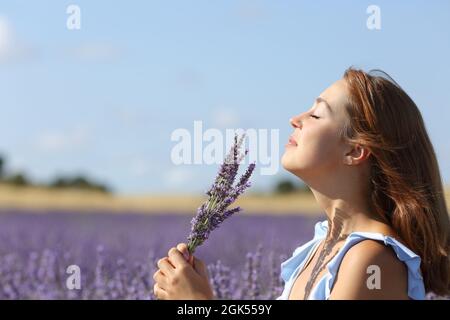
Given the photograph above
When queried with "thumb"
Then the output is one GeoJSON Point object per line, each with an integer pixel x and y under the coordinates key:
{"type": "Point", "coordinates": [200, 267]}
{"type": "Point", "coordinates": [183, 248]}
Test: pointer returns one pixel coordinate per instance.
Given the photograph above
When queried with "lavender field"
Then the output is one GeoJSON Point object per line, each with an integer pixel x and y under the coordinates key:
{"type": "Point", "coordinates": [117, 253]}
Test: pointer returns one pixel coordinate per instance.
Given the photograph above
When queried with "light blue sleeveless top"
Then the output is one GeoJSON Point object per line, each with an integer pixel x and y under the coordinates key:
{"type": "Point", "coordinates": [321, 291]}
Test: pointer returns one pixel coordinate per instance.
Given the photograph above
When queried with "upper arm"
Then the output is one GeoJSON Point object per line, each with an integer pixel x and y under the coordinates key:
{"type": "Point", "coordinates": [371, 270]}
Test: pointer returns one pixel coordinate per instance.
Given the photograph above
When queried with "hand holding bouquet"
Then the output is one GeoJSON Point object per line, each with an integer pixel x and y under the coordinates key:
{"type": "Point", "coordinates": [178, 279]}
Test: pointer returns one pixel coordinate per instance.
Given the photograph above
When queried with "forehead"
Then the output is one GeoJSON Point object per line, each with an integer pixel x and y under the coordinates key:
{"type": "Point", "coordinates": [336, 95]}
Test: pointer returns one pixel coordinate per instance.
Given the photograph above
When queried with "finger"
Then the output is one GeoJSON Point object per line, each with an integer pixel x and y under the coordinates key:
{"type": "Point", "coordinates": [200, 267]}
{"type": "Point", "coordinates": [159, 292]}
{"type": "Point", "coordinates": [183, 248]}
{"type": "Point", "coordinates": [166, 266]}
{"type": "Point", "coordinates": [176, 258]}
{"type": "Point", "coordinates": [160, 279]}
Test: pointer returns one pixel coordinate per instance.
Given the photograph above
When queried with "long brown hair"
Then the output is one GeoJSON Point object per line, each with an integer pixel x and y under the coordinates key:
{"type": "Point", "coordinates": [406, 185]}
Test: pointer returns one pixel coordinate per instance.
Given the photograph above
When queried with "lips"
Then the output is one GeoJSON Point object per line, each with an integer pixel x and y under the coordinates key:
{"type": "Point", "coordinates": [292, 141]}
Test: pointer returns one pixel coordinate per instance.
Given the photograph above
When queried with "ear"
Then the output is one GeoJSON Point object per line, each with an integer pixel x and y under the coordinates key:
{"type": "Point", "coordinates": [356, 154]}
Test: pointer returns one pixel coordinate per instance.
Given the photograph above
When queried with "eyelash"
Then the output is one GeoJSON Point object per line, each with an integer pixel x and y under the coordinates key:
{"type": "Point", "coordinates": [313, 116]}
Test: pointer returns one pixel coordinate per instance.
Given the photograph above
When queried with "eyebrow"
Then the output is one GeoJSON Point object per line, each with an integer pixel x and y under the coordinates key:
{"type": "Point", "coordinates": [320, 99]}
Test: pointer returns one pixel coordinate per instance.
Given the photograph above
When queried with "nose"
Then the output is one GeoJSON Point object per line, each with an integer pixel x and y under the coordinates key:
{"type": "Point", "coordinates": [295, 122]}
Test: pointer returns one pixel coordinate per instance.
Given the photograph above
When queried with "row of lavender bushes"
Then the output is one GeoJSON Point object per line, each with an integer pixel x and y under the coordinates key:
{"type": "Point", "coordinates": [117, 254]}
{"type": "Point", "coordinates": [42, 275]}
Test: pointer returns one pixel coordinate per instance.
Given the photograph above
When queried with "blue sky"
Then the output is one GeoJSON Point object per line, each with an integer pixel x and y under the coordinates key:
{"type": "Point", "coordinates": [104, 100]}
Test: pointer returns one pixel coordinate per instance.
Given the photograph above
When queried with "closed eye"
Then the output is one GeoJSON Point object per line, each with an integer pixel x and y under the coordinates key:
{"type": "Point", "coordinates": [313, 116]}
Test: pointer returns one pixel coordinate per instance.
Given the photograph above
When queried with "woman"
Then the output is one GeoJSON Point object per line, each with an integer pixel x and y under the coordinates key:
{"type": "Point", "coordinates": [364, 151]}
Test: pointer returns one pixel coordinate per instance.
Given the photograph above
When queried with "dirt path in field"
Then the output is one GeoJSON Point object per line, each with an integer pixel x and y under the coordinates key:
{"type": "Point", "coordinates": [41, 199]}
{"type": "Point", "coordinates": [75, 200]}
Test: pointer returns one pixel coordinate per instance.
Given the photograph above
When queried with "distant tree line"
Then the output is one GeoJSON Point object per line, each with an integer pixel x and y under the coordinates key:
{"type": "Point", "coordinates": [19, 179]}
{"type": "Point", "coordinates": [287, 186]}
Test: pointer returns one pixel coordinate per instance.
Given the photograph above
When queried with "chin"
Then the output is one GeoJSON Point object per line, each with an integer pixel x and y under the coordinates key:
{"type": "Point", "coordinates": [288, 162]}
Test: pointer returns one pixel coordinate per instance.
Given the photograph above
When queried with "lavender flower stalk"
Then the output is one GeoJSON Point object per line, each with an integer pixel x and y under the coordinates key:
{"type": "Point", "coordinates": [221, 195]}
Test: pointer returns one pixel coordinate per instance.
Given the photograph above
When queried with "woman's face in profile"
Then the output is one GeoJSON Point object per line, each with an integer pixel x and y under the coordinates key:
{"type": "Point", "coordinates": [315, 147]}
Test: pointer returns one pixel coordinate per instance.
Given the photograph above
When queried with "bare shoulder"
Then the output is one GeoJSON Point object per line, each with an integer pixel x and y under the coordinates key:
{"type": "Point", "coordinates": [371, 251]}
{"type": "Point", "coordinates": [371, 270]}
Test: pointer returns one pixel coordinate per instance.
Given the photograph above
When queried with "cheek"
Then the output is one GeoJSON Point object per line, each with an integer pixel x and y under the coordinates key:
{"type": "Point", "coordinates": [320, 149]}
{"type": "Point", "coordinates": [316, 151]}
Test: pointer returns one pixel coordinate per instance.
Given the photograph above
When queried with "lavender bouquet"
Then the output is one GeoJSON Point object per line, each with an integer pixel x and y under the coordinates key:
{"type": "Point", "coordinates": [221, 195]}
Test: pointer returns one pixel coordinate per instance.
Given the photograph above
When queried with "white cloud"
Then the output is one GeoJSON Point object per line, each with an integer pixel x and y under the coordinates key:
{"type": "Point", "coordinates": [178, 177]}
{"type": "Point", "coordinates": [251, 11]}
{"type": "Point", "coordinates": [95, 52]}
{"type": "Point", "coordinates": [59, 141]}
{"type": "Point", "coordinates": [11, 49]}
{"type": "Point", "coordinates": [225, 118]}
{"type": "Point", "coordinates": [189, 79]}
{"type": "Point", "coordinates": [132, 117]}
{"type": "Point", "coordinates": [139, 167]}
{"type": "Point", "coordinates": [5, 34]}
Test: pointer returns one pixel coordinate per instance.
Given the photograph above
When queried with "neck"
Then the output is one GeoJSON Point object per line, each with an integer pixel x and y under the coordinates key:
{"type": "Point", "coordinates": [345, 197]}
{"type": "Point", "coordinates": [347, 212]}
